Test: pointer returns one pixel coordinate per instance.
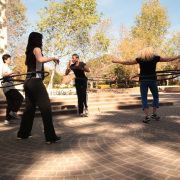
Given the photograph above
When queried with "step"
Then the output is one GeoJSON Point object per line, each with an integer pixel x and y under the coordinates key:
{"type": "Point", "coordinates": [70, 106]}
{"type": "Point", "coordinates": [70, 102]}
{"type": "Point", "coordinates": [95, 109]}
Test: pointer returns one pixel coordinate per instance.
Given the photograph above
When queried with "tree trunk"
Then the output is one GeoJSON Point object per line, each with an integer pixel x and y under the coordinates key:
{"type": "Point", "coordinates": [50, 86]}
{"type": "Point", "coordinates": [3, 38]}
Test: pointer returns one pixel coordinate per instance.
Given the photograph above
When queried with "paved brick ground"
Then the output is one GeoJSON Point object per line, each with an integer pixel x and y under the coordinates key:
{"type": "Point", "coordinates": [104, 146]}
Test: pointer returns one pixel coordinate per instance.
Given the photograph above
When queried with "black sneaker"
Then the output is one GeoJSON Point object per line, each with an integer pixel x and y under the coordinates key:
{"type": "Point", "coordinates": [20, 138]}
{"type": "Point", "coordinates": [55, 141]}
{"type": "Point", "coordinates": [147, 118]}
{"type": "Point", "coordinates": [154, 116]}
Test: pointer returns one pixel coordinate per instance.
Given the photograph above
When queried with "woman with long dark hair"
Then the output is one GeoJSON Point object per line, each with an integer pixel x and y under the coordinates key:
{"type": "Point", "coordinates": [147, 60]}
{"type": "Point", "coordinates": [35, 91]}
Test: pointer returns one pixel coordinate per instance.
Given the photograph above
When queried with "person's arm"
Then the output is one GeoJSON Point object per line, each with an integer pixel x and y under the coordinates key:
{"type": "Point", "coordinates": [85, 68]}
{"type": "Point", "coordinates": [68, 70]}
{"type": "Point", "coordinates": [38, 54]}
{"type": "Point", "coordinates": [11, 73]}
{"type": "Point", "coordinates": [125, 62]}
{"type": "Point", "coordinates": [169, 59]}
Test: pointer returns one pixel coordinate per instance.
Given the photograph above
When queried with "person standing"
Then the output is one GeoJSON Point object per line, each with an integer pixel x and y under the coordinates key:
{"type": "Point", "coordinates": [80, 82]}
{"type": "Point", "coordinates": [147, 60]}
{"type": "Point", "coordinates": [13, 97]}
{"type": "Point", "coordinates": [35, 91]}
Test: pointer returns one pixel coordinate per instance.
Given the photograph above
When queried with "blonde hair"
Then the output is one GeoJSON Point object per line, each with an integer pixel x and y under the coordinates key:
{"type": "Point", "coordinates": [147, 54]}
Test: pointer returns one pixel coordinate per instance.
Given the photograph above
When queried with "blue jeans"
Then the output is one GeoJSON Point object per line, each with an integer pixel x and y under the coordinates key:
{"type": "Point", "coordinates": [144, 91]}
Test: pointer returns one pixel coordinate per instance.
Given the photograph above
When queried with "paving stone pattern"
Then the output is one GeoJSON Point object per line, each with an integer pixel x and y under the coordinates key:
{"type": "Point", "coordinates": [104, 146]}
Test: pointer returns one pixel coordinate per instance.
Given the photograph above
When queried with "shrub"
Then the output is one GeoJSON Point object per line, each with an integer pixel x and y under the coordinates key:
{"type": "Point", "coordinates": [107, 86]}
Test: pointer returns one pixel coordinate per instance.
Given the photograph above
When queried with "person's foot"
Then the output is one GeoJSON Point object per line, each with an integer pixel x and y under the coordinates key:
{"type": "Point", "coordinates": [86, 111]}
{"type": "Point", "coordinates": [14, 114]}
{"type": "Point", "coordinates": [147, 118]}
{"type": "Point", "coordinates": [82, 115]}
{"type": "Point", "coordinates": [58, 139]}
{"type": "Point", "coordinates": [9, 121]}
{"type": "Point", "coordinates": [20, 138]}
{"type": "Point", "coordinates": [155, 116]}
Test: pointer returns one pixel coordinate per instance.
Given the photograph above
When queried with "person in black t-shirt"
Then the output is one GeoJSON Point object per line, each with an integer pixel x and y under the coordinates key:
{"type": "Point", "coordinates": [80, 82]}
{"type": "Point", "coordinates": [147, 59]}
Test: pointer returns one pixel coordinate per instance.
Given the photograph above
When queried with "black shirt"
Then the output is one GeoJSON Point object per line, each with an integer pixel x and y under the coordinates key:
{"type": "Point", "coordinates": [148, 67]}
{"type": "Point", "coordinates": [78, 72]}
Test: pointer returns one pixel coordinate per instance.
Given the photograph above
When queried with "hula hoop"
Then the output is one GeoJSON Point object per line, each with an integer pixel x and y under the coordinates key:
{"type": "Point", "coordinates": [95, 79]}
{"type": "Point", "coordinates": [9, 78]}
{"type": "Point", "coordinates": [168, 73]}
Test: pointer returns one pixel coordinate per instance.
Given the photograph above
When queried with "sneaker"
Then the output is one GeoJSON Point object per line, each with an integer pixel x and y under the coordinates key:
{"type": "Point", "coordinates": [86, 111]}
{"type": "Point", "coordinates": [14, 114]}
{"type": "Point", "coordinates": [9, 121]}
{"type": "Point", "coordinates": [82, 115]}
{"type": "Point", "coordinates": [154, 116]}
{"type": "Point", "coordinates": [20, 138]}
{"type": "Point", "coordinates": [55, 141]}
{"type": "Point", "coordinates": [147, 118]}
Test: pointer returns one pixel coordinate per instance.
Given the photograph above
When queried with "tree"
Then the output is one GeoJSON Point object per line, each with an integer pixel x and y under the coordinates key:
{"type": "Point", "coordinates": [16, 26]}
{"type": "Point", "coordinates": [19, 65]}
{"type": "Point", "coordinates": [152, 23]}
{"type": "Point", "coordinates": [62, 23]}
{"type": "Point", "coordinates": [57, 78]}
{"type": "Point", "coordinates": [126, 48]}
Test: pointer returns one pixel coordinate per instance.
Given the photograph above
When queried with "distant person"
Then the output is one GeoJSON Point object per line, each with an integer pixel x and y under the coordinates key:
{"type": "Point", "coordinates": [80, 82]}
{"type": "Point", "coordinates": [35, 91]}
{"type": "Point", "coordinates": [147, 60]}
{"type": "Point", "coordinates": [13, 97]}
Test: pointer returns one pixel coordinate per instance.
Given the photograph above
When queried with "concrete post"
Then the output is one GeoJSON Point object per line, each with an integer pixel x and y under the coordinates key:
{"type": "Point", "coordinates": [3, 37]}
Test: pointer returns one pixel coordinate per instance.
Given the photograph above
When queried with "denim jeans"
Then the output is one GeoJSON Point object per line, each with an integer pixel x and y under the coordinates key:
{"type": "Point", "coordinates": [144, 91]}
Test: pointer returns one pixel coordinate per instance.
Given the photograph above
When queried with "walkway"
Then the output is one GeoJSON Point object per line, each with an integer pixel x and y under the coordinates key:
{"type": "Point", "coordinates": [106, 146]}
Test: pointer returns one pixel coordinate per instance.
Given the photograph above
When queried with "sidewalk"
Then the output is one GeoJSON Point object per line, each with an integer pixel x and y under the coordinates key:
{"type": "Point", "coordinates": [106, 146]}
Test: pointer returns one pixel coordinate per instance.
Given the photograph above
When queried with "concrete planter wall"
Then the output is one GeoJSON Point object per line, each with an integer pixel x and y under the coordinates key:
{"type": "Point", "coordinates": [61, 91]}
{"type": "Point", "coordinates": [169, 88]}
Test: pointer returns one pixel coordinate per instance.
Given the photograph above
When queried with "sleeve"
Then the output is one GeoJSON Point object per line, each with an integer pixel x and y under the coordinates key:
{"type": "Point", "coordinates": [5, 70]}
{"type": "Point", "coordinates": [137, 60]}
{"type": "Point", "coordinates": [157, 58]}
{"type": "Point", "coordinates": [83, 64]}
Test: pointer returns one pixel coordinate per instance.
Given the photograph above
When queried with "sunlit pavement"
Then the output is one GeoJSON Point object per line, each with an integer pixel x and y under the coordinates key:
{"type": "Point", "coordinates": [112, 145]}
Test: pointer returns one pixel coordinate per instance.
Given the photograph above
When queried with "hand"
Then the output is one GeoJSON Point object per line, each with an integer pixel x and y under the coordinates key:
{"type": "Point", "coordinates": [77, 67]}
{"type": "Point", "coordinates": [114, 61]}
{"type": "Point", "coordinates": [16, 72]}
{"type": "Point", "coordinates": [56, 60]}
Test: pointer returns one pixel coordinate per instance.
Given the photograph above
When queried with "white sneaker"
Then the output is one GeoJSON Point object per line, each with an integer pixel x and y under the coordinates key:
{"type": "Point", "coordinates": [14, 114]}
{"type": "Point", "coordinates": [9, 122]}
{"type": "Point", "coordinates": [86, 111]}
{"type": "Point", "coordinates": [82, 115]}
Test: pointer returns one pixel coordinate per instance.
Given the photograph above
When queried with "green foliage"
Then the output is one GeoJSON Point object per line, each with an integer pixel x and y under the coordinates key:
{"type": "Point", "coordinates": [152, 23]}
{"type": "Point", "coordinates": [57, 79]}
{"type": "Point", "coordinates": [65, 25]}
{"type": "Point", "coordinates": [16, 26]}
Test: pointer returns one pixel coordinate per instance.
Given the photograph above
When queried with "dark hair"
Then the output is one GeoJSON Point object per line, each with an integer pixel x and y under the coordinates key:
{"type": "Point", "coordinates": [5, 57]}
{"type": "Point", "coordinates": [77, 56]}
{"type": "Point", "coordinates": [34, 40]}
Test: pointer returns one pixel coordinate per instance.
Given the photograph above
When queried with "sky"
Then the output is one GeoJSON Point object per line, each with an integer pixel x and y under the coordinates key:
{"type": "Point", "coordinates": [120, 11]}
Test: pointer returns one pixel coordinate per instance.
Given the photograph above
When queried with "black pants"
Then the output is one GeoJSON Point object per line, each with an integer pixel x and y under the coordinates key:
{"type": "Point", "coordinates": [81, 87]}
{"type": "Point", "coordinates": [35, 92]}
{"type": "Point", "coordinates": [14, 101]}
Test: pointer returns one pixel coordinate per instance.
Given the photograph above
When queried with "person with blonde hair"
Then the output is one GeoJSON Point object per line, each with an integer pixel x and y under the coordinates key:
{"type": "Point", "coordinates": [147, 60]}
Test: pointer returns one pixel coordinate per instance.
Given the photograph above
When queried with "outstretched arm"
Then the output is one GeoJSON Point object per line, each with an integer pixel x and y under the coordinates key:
{"type": "Point", "coordinates": [125, 62]}
{"type": "Point", "coordinates": [68, 70]}
{"type": "Point", "coordinates": [169, 59]}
